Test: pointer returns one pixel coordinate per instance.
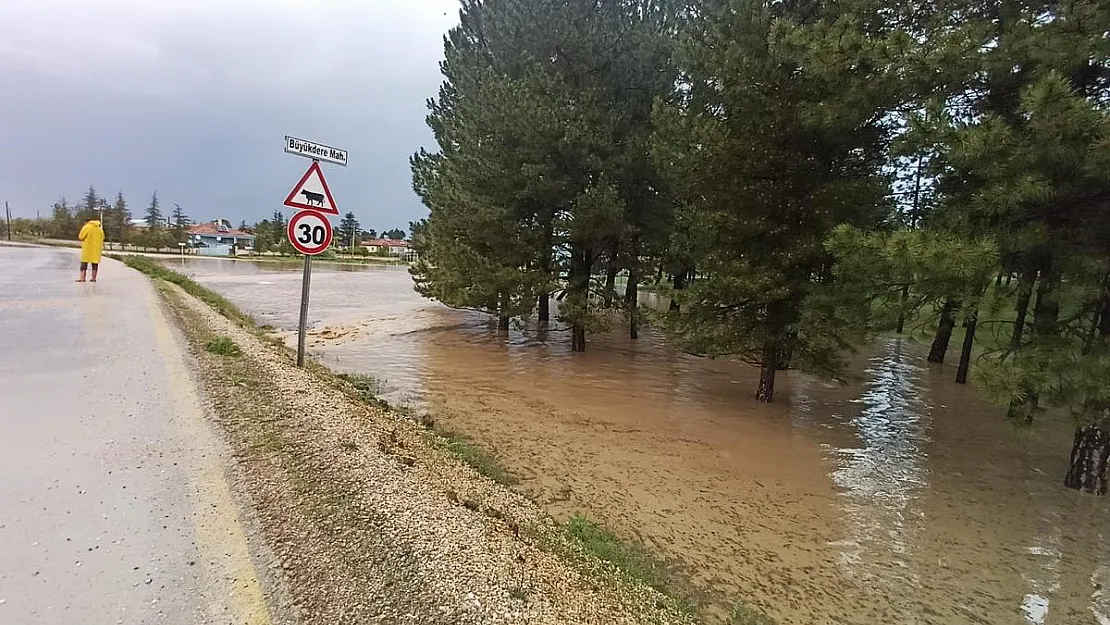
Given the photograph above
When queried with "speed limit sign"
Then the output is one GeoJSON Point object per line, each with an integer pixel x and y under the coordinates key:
{"type": "Point", "coordinates": [309, 232]}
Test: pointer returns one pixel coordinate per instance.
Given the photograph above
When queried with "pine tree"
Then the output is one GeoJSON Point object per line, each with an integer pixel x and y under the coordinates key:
{"type": "Point", "coordinates": [91, 206]}
{"type": "Point", "coordinates": [544, 171]}
{"type": "Point", "coordinates": [779, 138]}
{"type": "Point", "coordinates": [154, 218]}
{"type": "Point", "coordinates": [117, 220]}
{"type": "Point", "coordinates": [348, 232]}
{"type": "Point", "coordinates": [179, 224]}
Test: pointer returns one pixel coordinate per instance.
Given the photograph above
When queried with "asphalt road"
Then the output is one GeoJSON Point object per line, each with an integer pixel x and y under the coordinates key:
{"type": "Point", "coordinates": [115, 505]}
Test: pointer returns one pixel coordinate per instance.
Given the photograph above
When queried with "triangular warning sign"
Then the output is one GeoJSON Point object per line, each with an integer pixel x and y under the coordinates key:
{"type": "Point", "coordinates": [312, 193]}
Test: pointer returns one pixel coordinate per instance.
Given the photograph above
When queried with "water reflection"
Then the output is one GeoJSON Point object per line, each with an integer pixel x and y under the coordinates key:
{"type": "Point", "coordinates": [882, 478]}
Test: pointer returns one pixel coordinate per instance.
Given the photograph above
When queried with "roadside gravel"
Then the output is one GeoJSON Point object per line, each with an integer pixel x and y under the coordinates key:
{"type": "Point", "coordinates": [372, 522]}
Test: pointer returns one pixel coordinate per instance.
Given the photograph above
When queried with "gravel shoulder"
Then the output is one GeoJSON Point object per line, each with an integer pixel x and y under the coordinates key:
{"type": "Point", "coordinates": [371, 521]}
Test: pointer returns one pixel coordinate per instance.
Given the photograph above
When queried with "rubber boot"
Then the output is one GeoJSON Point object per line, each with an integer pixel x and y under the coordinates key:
{"type": "Point", "coordinates": [82, 278]}
{"type": "Point", "coordinates": [95, 269]}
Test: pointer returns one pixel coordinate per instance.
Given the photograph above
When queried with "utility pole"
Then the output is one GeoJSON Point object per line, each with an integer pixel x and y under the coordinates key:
{"type": "Point", "coordinates": [8, 214]}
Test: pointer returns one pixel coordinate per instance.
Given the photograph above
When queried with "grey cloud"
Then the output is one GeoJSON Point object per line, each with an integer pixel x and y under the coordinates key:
{"type": "Point", "coordinates": [193, 98]}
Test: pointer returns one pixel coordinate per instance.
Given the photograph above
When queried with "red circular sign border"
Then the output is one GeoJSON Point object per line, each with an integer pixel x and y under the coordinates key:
{"type": "Point", "coordinates": [293, 239]}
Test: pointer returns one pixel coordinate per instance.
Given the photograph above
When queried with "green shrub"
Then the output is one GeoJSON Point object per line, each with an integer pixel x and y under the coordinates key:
{"type": "Point", "coordinates": [223, 346]}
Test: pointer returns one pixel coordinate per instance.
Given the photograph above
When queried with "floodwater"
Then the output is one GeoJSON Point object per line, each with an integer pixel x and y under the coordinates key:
{"type": "Point", "coordinates": [898, 498]}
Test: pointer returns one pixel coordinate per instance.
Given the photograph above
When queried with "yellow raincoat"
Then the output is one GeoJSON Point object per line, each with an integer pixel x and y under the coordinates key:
{"type": "Point", "coordinates": [92, 241]}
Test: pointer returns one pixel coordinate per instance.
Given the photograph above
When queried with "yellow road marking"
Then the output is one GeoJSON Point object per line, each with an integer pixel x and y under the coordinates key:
{"type": "Point", "coordinates": [232, 580]}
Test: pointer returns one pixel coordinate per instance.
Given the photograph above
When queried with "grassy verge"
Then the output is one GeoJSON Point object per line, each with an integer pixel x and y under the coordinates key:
{"type": "Point", "coordinates": [578, 537]}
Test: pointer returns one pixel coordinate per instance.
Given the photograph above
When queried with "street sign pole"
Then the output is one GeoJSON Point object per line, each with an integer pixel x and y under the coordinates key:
{"type": "Point", "coordinates": [306, 283]}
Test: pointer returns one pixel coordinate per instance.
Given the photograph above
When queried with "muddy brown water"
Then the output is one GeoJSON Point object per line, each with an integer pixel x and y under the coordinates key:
{"type": "Point", "coordinates": [898, 498]}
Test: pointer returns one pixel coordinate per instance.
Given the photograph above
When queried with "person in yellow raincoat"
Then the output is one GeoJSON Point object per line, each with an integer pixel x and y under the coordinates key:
{"type": "Point", "coordinates": [92, 244]}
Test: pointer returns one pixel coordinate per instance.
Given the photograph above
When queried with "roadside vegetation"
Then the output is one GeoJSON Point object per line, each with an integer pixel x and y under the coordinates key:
{"type": "Point", "coordinates": [222, 346]}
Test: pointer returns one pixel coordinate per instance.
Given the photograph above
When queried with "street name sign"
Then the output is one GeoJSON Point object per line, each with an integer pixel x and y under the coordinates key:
{"type": "Point", "coordinates": [315, 151]}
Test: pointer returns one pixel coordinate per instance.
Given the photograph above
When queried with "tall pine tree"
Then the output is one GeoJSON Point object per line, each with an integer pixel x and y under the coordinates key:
{"type": "Point", "coordinates": [154, 219]}
{"type": "Point", "coordinates": [779, 137]}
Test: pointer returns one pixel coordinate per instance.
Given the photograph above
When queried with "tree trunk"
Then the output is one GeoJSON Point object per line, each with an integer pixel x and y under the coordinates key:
{"type": "Point", "coordinates": [771, 358]}
{"type": "Point", "coordinates": [577, 338]}
{"type": "Point", "coordinates": [944, 332]}
{"type": "Point", "coordinates": [610, 283]}
{"type": "Point", "coordinates": [632, 295]}
{"type": "Point", "coordinates": [503, 325]}
{"type": "Point", "coordinates": [998, 280]}
{"type": "Point", "coordinates": [902, 310]}
{"type": "Point", "coordinates": [1046, 313]}
{"type": "Point", "coordinates": [679, 284]}
{"type": "Point", "coordinates": [1025, 292]}
{"type": "Point", "coordinates": [1089, 453]}
{"type": "Point", "coordinates": [579, 285]}
{"type": "Point", "coordinates": [970, 324]}
{"type": "Point", "coordinates": [544, 309]}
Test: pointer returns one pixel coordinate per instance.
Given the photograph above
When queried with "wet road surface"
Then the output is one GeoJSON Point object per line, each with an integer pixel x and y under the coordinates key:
{"type": "Point", "coordinates": [114, 506]}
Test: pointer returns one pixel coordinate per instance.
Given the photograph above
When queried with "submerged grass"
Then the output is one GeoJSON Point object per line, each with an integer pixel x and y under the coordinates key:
{"type": "Point", "coordinates": [473, 454]}
{"type": "Point", "coordinates": [631, 557]}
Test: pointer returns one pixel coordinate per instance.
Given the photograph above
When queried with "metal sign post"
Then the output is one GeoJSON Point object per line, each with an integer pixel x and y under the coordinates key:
{"type": "Point", "coordinates": [310, 233]}
{"type": "Point", "coordinates": [306, 283]}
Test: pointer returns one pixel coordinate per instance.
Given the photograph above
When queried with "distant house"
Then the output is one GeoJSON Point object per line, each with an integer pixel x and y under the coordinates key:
{"type": "Point", "coordinates": [219, 238]}
{"type": "Point", "coordinates": [395, 247]}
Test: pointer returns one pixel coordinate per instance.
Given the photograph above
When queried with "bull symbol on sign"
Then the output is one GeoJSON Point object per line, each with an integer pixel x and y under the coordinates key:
{"type": "Point", "coordinates": [313, 198]}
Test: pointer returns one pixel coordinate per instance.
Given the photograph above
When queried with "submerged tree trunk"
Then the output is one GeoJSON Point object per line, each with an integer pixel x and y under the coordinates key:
{"type": "Point", "coordinates": [679, 284]}
{"type": "Point", "coordinates": [1089, 453]}
{"type": "Point", "coordinates": [766, 391]}
{"type": "Point", "coordinates": [771, 357]}
{"type": "Point", "coordinates": [632, 293]}
{"type": "Point", "coordinates": [610, 284]}
{"type": "Point", "coordinates": [901, 327]}
{"type": "Point", "coordinates": [944, 332]}
{"type": "Point", "coordinates": [544, 309]}
{"type": "Point", "coordinates": [970, 324]}
{"type": "Point", "coordinates": [768, 368]}
{"type": "Point", "coordinates": [1046, 314]}
{"type": "Point", "coordinates": [579, 285]}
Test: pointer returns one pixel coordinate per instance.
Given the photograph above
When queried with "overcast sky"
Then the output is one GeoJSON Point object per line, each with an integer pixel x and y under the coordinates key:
{"type": "Point", "coordinates": [194, 97]}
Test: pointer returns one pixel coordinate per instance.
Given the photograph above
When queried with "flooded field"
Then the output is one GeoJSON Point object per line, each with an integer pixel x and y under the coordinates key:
{"type": "Point", "coordinates": [899, 498]}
